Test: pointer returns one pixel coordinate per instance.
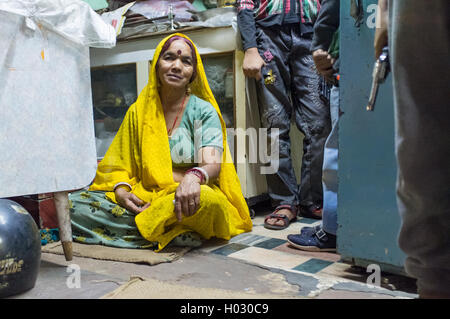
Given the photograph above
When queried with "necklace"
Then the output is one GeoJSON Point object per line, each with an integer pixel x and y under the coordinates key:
{"type": "Point", "coordinates": [169, 132]}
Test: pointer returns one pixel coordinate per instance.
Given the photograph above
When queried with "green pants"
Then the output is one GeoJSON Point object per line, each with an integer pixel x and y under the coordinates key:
{"type": "Point", "coordinates": [97, 220]}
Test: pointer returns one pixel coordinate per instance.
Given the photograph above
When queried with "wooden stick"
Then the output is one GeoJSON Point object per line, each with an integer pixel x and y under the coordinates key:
{"type": "Point", "coordinates": [65, 227]}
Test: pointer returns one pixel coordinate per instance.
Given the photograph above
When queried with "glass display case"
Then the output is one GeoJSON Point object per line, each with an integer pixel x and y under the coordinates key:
{"type": "Point", "coordinates": [114, 89]}
{"type": "Point", "coordinates": [220, 75]}
{"type": "Point", "coordinates": [219, 72]}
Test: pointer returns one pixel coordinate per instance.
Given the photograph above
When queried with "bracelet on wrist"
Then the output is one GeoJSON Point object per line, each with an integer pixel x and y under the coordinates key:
{"type": "Point", "coordinates": [121, 184]}
{"type": "Point", "coordinates": [196, 173]}
{"type": "Point", "coordinates": [203, 173]}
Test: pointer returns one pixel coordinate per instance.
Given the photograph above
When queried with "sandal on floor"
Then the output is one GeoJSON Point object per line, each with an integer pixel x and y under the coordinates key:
{"type": "Point", "coordinates": [282, 217]}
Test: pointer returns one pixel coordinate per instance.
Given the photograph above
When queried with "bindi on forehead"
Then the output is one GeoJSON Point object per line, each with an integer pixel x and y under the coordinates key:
{"type": "Point", "coordinates": [179, 49]}
{"type": "Point", "coordinates": [177, 53]}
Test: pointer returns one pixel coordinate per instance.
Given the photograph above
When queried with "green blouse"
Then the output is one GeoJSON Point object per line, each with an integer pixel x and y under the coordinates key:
{"type": "Point", "coordinates": [199, 127]}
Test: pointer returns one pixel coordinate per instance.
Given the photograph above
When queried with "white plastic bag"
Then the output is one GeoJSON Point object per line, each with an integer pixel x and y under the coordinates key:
{"type": "Point", "coordinates": [73, 19]}
{"type": "Point", "coordinates": [47, 140]}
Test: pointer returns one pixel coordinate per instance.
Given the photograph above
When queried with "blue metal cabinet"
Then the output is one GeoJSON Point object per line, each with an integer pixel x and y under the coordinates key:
{"type": "Point", "coordinates": [367, 214]}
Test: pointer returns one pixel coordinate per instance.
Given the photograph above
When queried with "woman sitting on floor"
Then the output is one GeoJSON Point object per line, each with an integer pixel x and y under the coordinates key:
{"type": "Point", "coordinates": [168, 174]}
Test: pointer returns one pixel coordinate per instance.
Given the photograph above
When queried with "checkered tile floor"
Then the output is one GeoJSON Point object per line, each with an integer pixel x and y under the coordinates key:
{"type": "Point", "coordinates": [270, 248]}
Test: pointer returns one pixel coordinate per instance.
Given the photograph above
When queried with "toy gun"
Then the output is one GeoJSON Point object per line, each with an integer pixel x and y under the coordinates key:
{"type": "Point", "coordinates": [380, 71]}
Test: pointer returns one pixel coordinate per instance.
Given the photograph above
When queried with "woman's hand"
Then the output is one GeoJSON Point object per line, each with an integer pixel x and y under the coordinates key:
{"type": "Point", "coordinates": [129, 201]}
{"type": "Point", "coordinates": [187, 196]}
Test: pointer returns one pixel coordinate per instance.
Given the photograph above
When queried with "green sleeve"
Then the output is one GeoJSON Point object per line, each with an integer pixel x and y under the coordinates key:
{"type": "Point", "coordinates": [207, 127]}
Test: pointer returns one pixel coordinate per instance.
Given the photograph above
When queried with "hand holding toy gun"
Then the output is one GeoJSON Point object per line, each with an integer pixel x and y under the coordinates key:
{"type": "Point", "coordinates": [380, 72]}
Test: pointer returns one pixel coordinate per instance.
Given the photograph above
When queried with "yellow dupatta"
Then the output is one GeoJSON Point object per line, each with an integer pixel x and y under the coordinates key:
{"type": "Point", "coordinates": [140, 156]}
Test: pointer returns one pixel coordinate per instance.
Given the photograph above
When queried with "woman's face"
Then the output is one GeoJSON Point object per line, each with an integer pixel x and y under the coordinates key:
{"type": "Point", "coordinates": [175, 65]}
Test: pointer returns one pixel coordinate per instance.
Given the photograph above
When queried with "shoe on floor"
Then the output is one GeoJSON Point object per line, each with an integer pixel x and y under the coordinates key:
{"type": "Point", "coordinates": [310, 229]}
{"type": "Point", "coordinates": [317, 240]}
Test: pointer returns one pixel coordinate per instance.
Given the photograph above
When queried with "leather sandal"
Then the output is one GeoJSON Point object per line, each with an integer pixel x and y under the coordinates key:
{"type": "Point", "coordinates": [282, 217]}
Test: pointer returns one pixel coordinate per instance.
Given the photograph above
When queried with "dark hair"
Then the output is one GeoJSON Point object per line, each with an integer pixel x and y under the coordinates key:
{"type": "Point", "coordinates": [189, 43]}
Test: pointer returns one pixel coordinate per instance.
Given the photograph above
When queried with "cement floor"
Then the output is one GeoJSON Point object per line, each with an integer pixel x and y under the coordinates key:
{"type": "Point", "coordinates": [198, 269]}
{"type": "Point", "coordinates": [260, 262]}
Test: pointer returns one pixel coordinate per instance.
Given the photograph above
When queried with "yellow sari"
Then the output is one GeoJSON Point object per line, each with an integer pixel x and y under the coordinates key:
{"type": "Point", "coordinates": [140, 156]}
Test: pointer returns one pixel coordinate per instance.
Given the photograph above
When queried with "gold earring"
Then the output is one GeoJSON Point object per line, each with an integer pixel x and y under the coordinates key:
{"type": "Point", "coordinates": [188, 89]}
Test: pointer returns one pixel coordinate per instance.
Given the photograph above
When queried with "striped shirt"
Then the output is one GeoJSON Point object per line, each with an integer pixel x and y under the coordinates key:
{"type": "Point", "coordinates": [306, 9]}
{"type": "Point", "coordinates": [269, 13]}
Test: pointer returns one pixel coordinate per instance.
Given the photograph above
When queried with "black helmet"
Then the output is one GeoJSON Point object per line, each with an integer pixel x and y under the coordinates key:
{"type": "Point", "coordinates": [20, 249]}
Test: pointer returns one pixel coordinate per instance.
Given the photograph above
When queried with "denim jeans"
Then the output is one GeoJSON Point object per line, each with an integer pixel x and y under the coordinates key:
{"type": "Point", "coordinates": [419, 46]}
{"type": "Point", "coordinates": [290, 88]}
{"type": "Point", "coordinates": [330, 168]}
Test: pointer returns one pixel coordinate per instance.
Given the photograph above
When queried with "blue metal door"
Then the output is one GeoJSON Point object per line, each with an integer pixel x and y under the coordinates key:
{"type": "Point", "coordinates": [367, 214]}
